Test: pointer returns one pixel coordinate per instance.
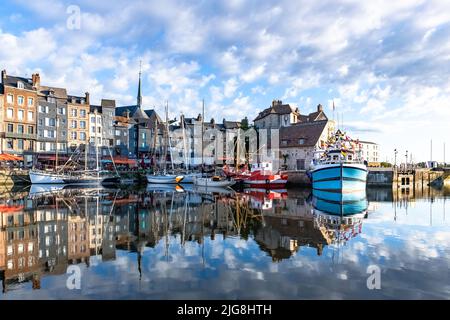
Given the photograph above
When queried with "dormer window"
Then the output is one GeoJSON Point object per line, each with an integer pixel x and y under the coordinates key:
{"type": "Point", "coordinates": [20, 85]}
{"type": "Point", "coordinates": [301, 141]}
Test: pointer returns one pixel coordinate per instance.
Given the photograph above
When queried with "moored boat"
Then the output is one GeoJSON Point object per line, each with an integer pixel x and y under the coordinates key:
{"type": "Point", "coordinates": [215, 181]}
{"type": "Point", "coordinates": [339, 168]}
{"type": "Point", "coordinates": [164, 178]}
{"type": "Point", "coordinates": [49, 177]}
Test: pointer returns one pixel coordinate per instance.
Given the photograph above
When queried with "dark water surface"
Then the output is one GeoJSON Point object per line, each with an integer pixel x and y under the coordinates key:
{"type": "Point", "coordinates": [193, 244]}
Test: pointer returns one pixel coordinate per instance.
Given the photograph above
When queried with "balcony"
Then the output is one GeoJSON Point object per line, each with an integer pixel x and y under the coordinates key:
{"type": "Point", "coordinates": [20, 135]}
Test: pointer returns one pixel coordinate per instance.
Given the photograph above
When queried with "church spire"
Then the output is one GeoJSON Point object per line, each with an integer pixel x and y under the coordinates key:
{"type": "Point", "coordinates": [139, 95]}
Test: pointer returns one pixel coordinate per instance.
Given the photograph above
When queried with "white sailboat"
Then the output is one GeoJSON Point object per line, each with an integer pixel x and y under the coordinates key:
{"type": "Point", "coordinates": [164, 177]}
{"type": "Point", "coordinates": [68, 174]}
{"type": "Point", "coordinates": [215, 181]}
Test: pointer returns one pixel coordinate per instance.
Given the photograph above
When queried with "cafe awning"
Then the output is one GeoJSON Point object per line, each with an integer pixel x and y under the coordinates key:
{"type": "Point", "coordinates": [9, 157]}
{"type": "Point", "coordinates": [120, 160]}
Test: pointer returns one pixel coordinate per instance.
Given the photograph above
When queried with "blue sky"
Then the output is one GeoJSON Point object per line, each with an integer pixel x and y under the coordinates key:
{"type": "Point", "coordinates": [385, 63]}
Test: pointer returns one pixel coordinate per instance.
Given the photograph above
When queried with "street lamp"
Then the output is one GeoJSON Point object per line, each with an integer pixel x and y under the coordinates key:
{"type": "Point", "coordinates": [406, 160]}
{"type": "Point", "coordinates": [395, 157]}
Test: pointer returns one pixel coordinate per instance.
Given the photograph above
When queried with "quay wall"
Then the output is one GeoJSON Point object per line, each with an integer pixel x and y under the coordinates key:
{"type": "Point", "coordinates": [297, 177]}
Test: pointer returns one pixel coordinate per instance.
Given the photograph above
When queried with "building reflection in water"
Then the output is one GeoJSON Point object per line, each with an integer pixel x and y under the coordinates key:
{"type": "Point", "coordinates": [44, 231]}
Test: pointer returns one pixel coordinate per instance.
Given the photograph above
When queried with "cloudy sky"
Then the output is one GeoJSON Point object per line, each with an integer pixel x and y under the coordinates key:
{"type": "Point", "coordinates": [384, 63]}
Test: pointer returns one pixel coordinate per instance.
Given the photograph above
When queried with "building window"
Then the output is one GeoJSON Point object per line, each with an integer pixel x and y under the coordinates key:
{"type": "Point", "coordinates": [118, 142]}
{"type": "Point", "coordinates": [30, 116]}
{"type": "Point", "coordinates": [93, 119]}
{"type": "Point", "coordinates": [61, 111]}
{"type": "Point", "coordinates": [301, 141]}
{"type": "Point", "coordinates": [10, 113]}
{"type": "Point", "coordinates": [83, 113]}
{"type": "Point", "coordinates": [73, 135]}
{"type": "Point", "coordinates": [41, 133]}
{"type": "Point", "coordinates": [82, 136]}
{"type": "Point", "coordinates": [73, 124]}
{"type": "Point", "coordinates": [99, 130]}
{"type": "Point", "coordinates": [117, 133]}
{"type": "Point", "coordinates": [93, 129]}
{"type": "Point", "coordinates": [20, 100]}
{"type": "Point", "coordinates": [10, 127]}
{"type": "Point", "coordinates": [10, 98]}
{"type": "Point", "coordinates": [284, 142]}
{"type": "Point", "coordinates": [20, 115]}
{"type": "Point", "coordinates": [42, 146]}
{"type": "Point", "coordinates": [20, 128]}
{"type": "Point", "coordinates": [73, 112]}
{"type": "Point", "coordinates": [99, 120]}
{"type": "Point", "coordinates": [30, 130]}
{"type": "Point", "coordinates": [30, 102]}
{"type": "Point", "coordinates": [20, 144]}
{"type": "Point", "coordinates": [83, 124]}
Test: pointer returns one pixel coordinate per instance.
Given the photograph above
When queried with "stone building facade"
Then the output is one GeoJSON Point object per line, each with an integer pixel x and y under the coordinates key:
{"type": "Point", "coordinates": [51, 120]}
{"type": "Point", "coordinates": [77, 120]}
{"type": "Point", "coordinates": [18, 129]}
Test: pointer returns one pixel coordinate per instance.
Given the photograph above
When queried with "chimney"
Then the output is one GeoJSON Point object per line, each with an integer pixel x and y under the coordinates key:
{"type": "Point", "coordinates": [3, 76]}
{"type": "Point", "coordinates": [319, 108]}
{"type": "Point", "coordinates": [36, 80]}
{"type": "Point", "coordinates": [212, 121]}
{"type": "Point", "coordinates": [87, 97]}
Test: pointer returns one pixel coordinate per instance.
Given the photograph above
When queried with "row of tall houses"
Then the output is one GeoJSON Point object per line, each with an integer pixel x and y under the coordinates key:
{"type": "Point", "coordinates": [37, 120]}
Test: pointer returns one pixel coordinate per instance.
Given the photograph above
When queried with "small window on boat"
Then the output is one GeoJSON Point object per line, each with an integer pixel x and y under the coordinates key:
{"type": "Point", "coordinates": [350, 157]}
{"type": "Point", "coordinates": [335, 157]}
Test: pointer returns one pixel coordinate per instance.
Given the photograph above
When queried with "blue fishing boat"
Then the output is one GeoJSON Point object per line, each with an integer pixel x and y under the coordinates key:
{"type": "Point", "coordinates": [343, 205]}
{"type": "Point", "coordinates": [339, 168]}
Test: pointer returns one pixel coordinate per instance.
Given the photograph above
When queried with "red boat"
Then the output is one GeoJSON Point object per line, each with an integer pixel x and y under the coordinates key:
{"type": "Point", "coordinates": [261, 176]}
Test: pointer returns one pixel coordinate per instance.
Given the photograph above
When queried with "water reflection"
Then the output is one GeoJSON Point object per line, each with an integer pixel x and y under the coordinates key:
{"type": "Point", "coordinates": [171, 228]}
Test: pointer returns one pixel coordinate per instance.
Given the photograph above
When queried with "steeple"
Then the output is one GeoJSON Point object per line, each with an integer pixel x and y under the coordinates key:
{"type": "Point", "coordinates": [139, 95]}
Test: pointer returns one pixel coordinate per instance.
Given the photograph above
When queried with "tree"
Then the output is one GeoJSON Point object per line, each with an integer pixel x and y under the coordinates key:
{"type": "Point", "coordinates": [244, 124]}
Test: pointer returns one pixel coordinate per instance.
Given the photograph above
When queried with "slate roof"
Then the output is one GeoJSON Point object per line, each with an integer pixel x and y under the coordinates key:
{"type": "Point", "coordinates": [59, 93]}
{"type": "Point", "coordinates": [277, 109]}
{"type": "Point", "coordinates": [137, 113]}
{"type": "Point", "coordinates": [309, 131]}
{"type": "Point", "coordinates": [11, 81]}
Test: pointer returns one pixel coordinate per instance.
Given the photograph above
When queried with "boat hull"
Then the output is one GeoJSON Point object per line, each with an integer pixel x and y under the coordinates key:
{"type": "Point", "coordinates": [52, 178]}
{"type": "Point", "coordinates": [189, 177]}
{"type": "Point", "coordinates": [266, 181]}
{"type": "Point", "coordinates": [208, 182]}
{"type": "Point", "coordinates": [339, 177]}
{"type": "Point", "coordinates": [165, 179]}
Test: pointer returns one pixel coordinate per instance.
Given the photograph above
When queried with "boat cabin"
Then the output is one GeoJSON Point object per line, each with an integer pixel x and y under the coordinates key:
{"type": "Point", "coordinates": [264, 167]}
{"type": "Point", "coordinates": [336, 156]}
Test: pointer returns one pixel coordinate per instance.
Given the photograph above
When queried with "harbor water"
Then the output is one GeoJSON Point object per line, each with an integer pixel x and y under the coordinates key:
{"type": "Point", "coordinates": [175, 242]}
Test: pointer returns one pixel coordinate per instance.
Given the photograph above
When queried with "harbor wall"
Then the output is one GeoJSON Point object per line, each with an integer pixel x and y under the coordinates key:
{"type": "Point", "coordinates": [297, 177]}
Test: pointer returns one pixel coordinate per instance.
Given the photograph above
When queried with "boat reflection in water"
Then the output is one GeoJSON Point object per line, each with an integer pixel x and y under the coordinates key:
{"type": "Point", "coordinates": [46, 229]}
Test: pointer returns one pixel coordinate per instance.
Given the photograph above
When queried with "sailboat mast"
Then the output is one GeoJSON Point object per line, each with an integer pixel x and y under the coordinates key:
{"type": "Point", "coordinates": [56, 136]}
{"type": "Point", "coordinates": [166, 142]}
{"type": "Point", "coordinates": [203, 121]}
{"type": "Point", "coordinates": [96, 145]}
{"type": "Point", "coordinates": [184, 143]}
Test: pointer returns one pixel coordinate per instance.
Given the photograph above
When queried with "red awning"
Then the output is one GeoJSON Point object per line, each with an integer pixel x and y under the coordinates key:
{"type": "Point", "coordinates": [9, 157]}
{"type": "Point", "coordinates": [52, 157]}
{"type": "Point", "coordinates": [121, 160]}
